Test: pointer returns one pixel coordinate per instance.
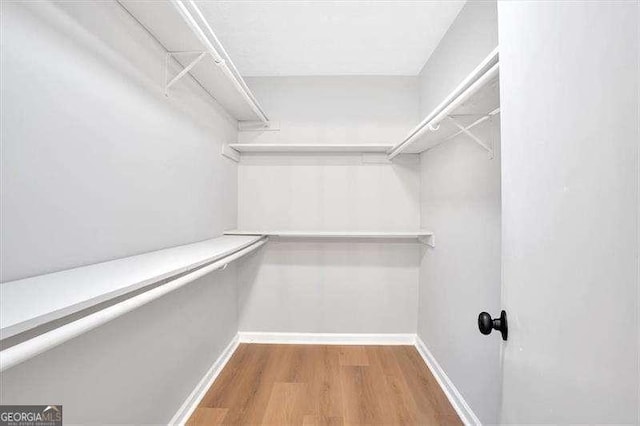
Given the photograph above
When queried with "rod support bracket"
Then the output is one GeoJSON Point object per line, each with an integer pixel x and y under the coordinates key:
{"type": "Point", "coordinates": [429, 240]}
{"type": "Point", "coordinates": [230, 153]}
{"type": "Point", "coordinates": [185, 70]}
{"type": "Point", "coordinates": [476, 139]}
{"type": "Point", "coordinates": [258, 126]}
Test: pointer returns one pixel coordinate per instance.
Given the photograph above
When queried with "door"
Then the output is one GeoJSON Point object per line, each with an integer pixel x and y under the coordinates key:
{"type": "Point", "coordinates": [569, 103]}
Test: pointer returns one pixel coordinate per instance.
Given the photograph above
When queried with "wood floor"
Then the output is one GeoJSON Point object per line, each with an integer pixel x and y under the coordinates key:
{"type": "Point", "coordinates": [325, 385]}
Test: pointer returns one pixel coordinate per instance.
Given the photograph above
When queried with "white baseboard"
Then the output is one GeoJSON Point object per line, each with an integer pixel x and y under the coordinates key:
{"type": "Point", "coordinates": [455, 397]}
{"type": "Point", "coordinates": [327, 338]}
{"type": "Point", "coordinates": [189, 405]}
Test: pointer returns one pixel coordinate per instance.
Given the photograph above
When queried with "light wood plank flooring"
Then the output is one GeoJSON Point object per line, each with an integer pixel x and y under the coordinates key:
{"type": "Point", "coordinates": [325, 385]}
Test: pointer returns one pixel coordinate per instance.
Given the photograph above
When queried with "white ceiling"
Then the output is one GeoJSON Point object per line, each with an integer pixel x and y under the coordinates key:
{"type": "Point", "coordinates": [296, 38]}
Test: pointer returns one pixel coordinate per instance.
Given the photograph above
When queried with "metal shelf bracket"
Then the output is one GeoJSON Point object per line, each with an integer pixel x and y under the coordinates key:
{"type": "Point", "coordinates": [258, 126]}
{"type": "Point", "coordinates": [230, 153]}
{"type": "Point", "coordinates": [467, 131]}
{"type": "Point", "coordinates": [429, 240]}
{"type": "Point", "coordinates": [168, 83]}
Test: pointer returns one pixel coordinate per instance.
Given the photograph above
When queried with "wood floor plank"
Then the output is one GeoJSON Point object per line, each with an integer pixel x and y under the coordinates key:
{"type": "Point", "coordinates": [204, 416]}
{"type": "Point", "coordinates": [353, 355]}
{"type": "Point", "coordinates": [296, 363]}
{"type": "Point", "coordinates": [395, 388]}
{"type": "Point", "coordinates": [363, 397]}
{"type": "Point", "coordinates": [255, 408]}
{"type": "Point", "coordinates": [433, 406]}
{"type": "Point", "coordinates": [286, 405]}
{"type": "Point", "coordinates": [227, 380]}
{"type": "Point", "coordinates": [251, 408]}
{"type": "Point", "coordinates": [325, 388]}
{"type": "Point", "coordinates": [310, 420]}
{"type": "Point", "coordinates": [324, 385]}
{"type": "Point", "coordinates": [240, 396]}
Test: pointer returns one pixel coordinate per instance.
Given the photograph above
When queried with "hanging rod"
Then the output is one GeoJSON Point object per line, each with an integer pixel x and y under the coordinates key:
{"type": "Point", "coordinates": [23, 351]}
{"type": "Point", "coordinates": [486, 70]}
{"type": "Point", "coordinates": [226, 65]}
{"type": "Point", "coordinates": [434, 123]}
{"type": "Point", "coordinates": [229, 62]}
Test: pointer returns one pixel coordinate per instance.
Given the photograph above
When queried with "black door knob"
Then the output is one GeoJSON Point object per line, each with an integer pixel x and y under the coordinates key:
{"type": "Point", "coordinates": [486, 324]}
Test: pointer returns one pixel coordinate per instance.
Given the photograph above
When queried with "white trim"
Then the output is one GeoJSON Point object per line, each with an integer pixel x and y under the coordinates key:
{"type": "Point", "coordinates": [230, 153]}
{"type": "Point", "coordinates": [455, 397]}
{"type": "Point", "coordinates": [327, 338]}
{"type": "Point", "coordinates": [191, 403]}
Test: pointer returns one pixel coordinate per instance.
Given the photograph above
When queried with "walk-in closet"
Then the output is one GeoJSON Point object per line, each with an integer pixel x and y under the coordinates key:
{"type": "Point", "coordinates": [319, 212]}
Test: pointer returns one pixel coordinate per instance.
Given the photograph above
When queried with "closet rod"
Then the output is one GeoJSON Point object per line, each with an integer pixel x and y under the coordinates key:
{"type": "Point", "coordinates": [434, 122]}
{"type": "Point", "coordinates": [235, 78]}
{"type": "Point", "coordinates": [229, 62]}
{"type": "Point", "coordinates": [21, 352]}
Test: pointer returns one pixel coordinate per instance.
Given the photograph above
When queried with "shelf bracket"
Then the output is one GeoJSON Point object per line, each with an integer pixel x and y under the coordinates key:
{"type": "Point", "coordinates": [466, 130]}
{"type": "Point", "coordinates": [258, 126]}
{"type": "Point", "coordinates": [168, 83]}
{"type": "Point", "coordinates": [429, 240]}
{"type": "Point", "coordinates": [230, 153]}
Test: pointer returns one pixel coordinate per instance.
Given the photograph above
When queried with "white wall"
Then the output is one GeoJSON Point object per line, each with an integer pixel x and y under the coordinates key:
{"type": "Point", "coordinates": [460, 200]}
{"type": "Point", "coordinates": [304, 286]}
{"type": "Point", "coordinates": [571, 129]}
{"type": "Point", "coordinates": [335, 110]}
{"type": "Point", "coordinates": [471, 37]}
{"type": "Point", "coordinates": [93, 151]}
{"type": "Point", "coordinates": [97, 164]}
{"type": "Point", "coordinates": [328, 192]}
{"type": "Point", "coordinates": [331, 286]}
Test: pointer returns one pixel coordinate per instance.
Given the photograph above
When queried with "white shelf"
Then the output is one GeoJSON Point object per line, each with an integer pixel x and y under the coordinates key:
{"type": "Point", "coordinates": [335, 234]}
{"type": "Point", "coordinates": [484, 104]}
{"type": "Point", "coordinates": [472, 103]}
{"type": "Point", "coordinates": [309, 148]}
{"type": "Point", "coordinates": [179, 27]}
{"type": "Point", "coordinates": [31, 302]}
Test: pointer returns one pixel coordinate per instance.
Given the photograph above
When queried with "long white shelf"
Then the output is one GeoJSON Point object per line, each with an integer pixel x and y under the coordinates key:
{"type": "Point", "coordinates": [309, 148]}
{"type": "Point", "coordinates": [31, 302]}
{"type": "Point", "coordinates": [184, 32]}
{"type": "Point", "coordinates": [333, 234]}
{"type": "Point", "coordinates": [475, 101]}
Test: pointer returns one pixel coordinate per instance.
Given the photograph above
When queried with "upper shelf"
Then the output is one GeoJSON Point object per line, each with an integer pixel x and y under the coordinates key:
{"type": "Point", "coordinates": [181, 28]}
{"type": "Point", "coordinates": [31, 302]}
{"type": "Point", "coordinates": [474, 101]}
{"type": "Point", "coordinates": [309, 148]}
